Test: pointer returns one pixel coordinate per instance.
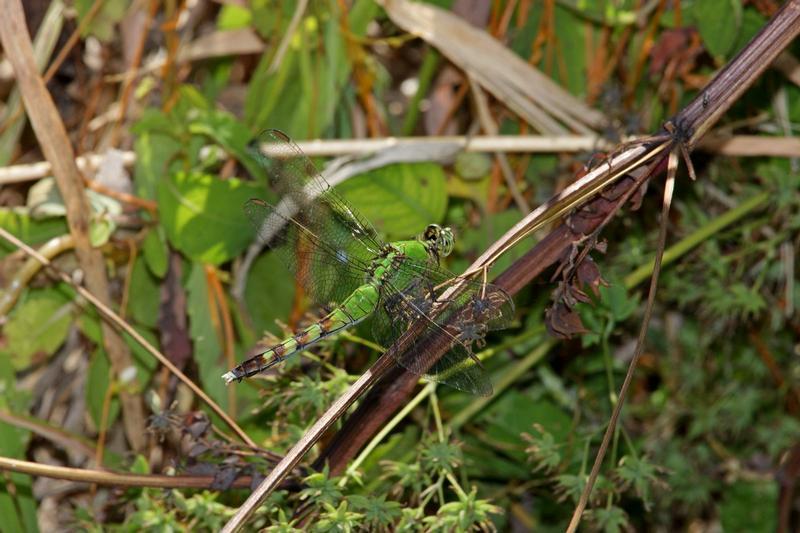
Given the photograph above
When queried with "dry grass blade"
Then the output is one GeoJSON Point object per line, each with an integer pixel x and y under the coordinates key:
{"type": "Point", "coordinates": [529, 93]}
{"type": "Point", "coordinates": [489, 126]}
{"type": "Point", "coordinates": [14, 119]}
{"type": "Point", "coordinates": [439, 147]}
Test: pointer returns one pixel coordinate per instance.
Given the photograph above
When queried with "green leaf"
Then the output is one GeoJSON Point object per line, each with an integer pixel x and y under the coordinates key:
{"type": "Point", "coordinates": [270, 19]}
{"type": "Point", "coordinates": [103, 24]}
{"type": "Point", "coordinates": [270, 292]}
{"type": "Point", "coordinates": [144, 295]}
{"type": "Point", "coordinates": [304, 94]}
{"type": "Point", "coordinates": [718, 22]}
{"type": "Point", "coordinates": [230, 134]}
{"type": "Point", "coordinates": [203, 331]}
{"type": "Point", "coordinates": [618, 301]}
{"type": "Point", "coordinates": [207, 345]}
{"type": "Point", "coordinates": [232, 17]}
{"type": "Point", "coordinates": [154, 152]}
{"type": "Point", "coordinates": [400, 200]}
{"type": "Point", "coordinates": [202, 215]}
{"type": "Point", "coordinates": [610, 519]}
{"type": "Point", "coordinates": [154, 250]}
{"type": "Point", "coordinates": [98, 380]}
{"type": "Point", "coordinates": [570, 69]}
{"type": "Point", "coordinates": [38, 325]}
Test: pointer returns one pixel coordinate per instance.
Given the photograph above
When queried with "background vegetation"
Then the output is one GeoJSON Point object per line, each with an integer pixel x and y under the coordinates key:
{"type": "Point", "coordinates": [171, 94]}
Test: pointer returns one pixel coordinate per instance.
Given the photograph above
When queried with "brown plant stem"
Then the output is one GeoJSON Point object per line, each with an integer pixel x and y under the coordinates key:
{"type": "Point", "coordinates": [105, 477]}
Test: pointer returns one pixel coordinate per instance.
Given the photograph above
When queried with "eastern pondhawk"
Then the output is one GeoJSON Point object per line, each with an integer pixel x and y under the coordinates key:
{"type": "Point", "coordinates": [337, 256]}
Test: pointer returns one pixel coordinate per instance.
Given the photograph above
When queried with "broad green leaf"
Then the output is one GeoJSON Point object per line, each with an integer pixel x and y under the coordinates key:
{"type": "Point", "coordinates": [155, 121]}
{"type": "Point", "coordinates": [154, 250]}
{"type": "Point", "coordinates": [515, 413]}
{"type": "Point", "coordinates": [752, 22]}
{"type": "Point", "coordinates": [208, 355]}
{"type": "Point", "coordinates": [270, 292]}
{"type": "Point", "coordinates": [618, 301]}
{"type": "Point", "coordinates": [270, 19]}
{"type": "Point", "coordinates": [718, 22]}
{"type": "Point", "coordinates": [98, 380]}
{"type": "Point", "coordinates": [400, 200]}
{"type": "Point", "coordinates": [144, 295]}
{"type": "Point", "coordinates": [154, 154]}
{"type": "Point", "coordinates": [202, 215]}
{"type": "Point", "coordinates": [38, 325]}
{"type": "Point", "coordinates": [204, 333]}
{"type": "Point", "coordinates": [230, 134]}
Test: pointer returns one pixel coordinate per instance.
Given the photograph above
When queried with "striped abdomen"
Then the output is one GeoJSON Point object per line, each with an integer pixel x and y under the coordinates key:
{"type": "Point", "coordinates": [353, 310]}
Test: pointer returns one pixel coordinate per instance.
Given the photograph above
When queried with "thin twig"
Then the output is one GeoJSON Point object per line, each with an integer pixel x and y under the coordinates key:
{"type": "Point", "coordinates": [104, 477]}
{"type": "Point", "coordinates": [733, 146]}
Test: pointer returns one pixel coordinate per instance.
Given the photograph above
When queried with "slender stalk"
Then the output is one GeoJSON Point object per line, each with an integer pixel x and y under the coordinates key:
{"type": "Point", "coordinates": [105, 477]}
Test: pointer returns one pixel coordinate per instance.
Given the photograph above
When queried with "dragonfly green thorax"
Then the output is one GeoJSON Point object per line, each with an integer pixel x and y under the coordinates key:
{"type": "Point", "coordinates": [337, 256]}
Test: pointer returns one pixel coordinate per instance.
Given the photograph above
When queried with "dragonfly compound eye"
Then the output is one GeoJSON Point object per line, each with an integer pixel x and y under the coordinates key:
{"type": "Point", "coordinates": [441, 238]}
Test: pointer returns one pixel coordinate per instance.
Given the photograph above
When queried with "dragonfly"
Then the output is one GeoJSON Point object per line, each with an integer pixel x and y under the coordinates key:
{"type": "Point", "coordinates": [338, 259]}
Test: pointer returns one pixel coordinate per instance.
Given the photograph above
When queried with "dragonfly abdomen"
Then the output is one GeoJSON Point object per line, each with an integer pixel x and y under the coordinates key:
{"type": "Point", "coordinates": [353, 310]}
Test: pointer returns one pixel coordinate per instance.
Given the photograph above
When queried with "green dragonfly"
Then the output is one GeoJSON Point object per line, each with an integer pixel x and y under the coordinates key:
{"type": "Point", "coordinates": [337, 256]}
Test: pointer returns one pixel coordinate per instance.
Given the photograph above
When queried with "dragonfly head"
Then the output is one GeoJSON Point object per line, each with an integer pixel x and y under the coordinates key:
{"type": "Point", "coordinates": [439, 239]}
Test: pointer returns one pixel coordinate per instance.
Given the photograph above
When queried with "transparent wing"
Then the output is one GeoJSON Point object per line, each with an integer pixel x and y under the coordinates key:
{"type": "Point", "coordinates": [315, 232]}
{"type": "Point", "coordinates": [427, 314]}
